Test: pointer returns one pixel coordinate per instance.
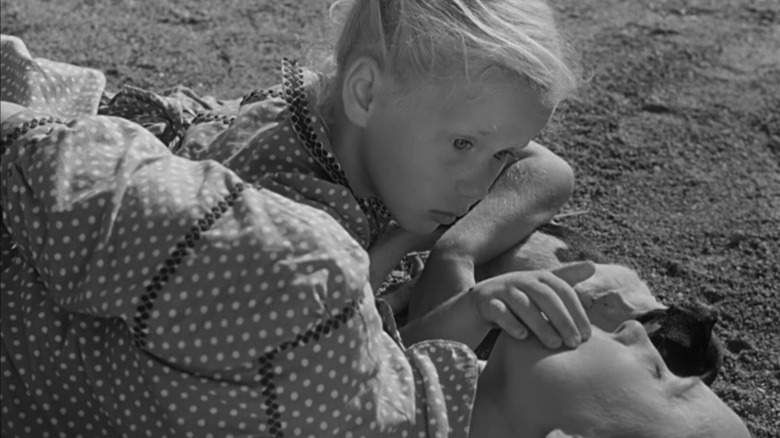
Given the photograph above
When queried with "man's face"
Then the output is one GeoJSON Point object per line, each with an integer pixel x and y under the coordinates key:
{"type": "Point", "coordinates": [615, 383]}
{"type": "Point", "coordinates": [432, 151]}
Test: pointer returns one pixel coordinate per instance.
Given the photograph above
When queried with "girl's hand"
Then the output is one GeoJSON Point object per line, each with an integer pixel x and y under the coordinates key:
{"type": "Point", "coordinates": [541, 301]}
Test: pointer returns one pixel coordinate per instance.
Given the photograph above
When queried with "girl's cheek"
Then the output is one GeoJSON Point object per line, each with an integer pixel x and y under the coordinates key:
{"type": "Point", "coordinates": [455, 163]}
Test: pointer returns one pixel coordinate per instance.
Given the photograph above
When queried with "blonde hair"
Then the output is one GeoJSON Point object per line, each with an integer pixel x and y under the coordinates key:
{"type": "Point", "coordinates": [432, 40]}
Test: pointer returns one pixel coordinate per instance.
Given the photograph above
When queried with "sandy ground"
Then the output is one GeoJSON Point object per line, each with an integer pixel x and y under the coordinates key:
{"type": "Point", "coordinates": [675, 138]}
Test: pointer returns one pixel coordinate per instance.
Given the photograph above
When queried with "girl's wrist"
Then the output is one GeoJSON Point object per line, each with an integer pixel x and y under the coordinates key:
{"type": "Point", "coordinates": [451, 256]}
{"type": "Point", "coordinates": [456, 319]}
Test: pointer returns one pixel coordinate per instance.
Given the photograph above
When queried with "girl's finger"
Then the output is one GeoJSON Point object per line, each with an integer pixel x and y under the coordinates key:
{"type": "Point", "coordinates": [571, 301]}
{"type": "Point", "coordinates": [500, 315]}
{"type": "Point", "coordinates": [526, 310]}
{"type": "Point", "coordinates": [550, 303]}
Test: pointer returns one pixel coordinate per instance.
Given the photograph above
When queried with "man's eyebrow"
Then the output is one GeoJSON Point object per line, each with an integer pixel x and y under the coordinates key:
{"type": "Point", "coordinates": [681, 389]}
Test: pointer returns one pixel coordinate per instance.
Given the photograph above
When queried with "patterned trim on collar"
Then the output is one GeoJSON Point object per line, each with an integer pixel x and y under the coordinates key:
{"type": "Point", "coordinates": [295, 96]}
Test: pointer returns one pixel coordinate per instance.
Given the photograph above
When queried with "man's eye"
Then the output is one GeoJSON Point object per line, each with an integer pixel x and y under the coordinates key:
{"type": "Point", "coordinates": [462, 144]}
{"type": "Point", "coordinates": [658, 372]}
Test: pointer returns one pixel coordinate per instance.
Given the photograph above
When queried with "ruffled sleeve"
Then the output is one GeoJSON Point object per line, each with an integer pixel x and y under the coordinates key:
{"type": "Point", "coordinates": [119, 227]}
{"type": "Point", "coordinates": [62, 90]}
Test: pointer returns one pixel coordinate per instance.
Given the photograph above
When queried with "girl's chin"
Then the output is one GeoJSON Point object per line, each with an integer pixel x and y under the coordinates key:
{"type": "Point", "coordinates": [417, 225]}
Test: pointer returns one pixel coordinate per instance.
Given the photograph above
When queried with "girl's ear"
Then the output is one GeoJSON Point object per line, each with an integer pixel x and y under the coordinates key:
{"type": "Point", "coordinates": [361, 83]}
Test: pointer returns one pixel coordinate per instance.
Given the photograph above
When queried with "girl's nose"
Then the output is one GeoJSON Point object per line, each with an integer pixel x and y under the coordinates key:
{"type": "Point", "coordinates": [472, 192]}
{"type": "Point", "coordinates": [476, 186]}
{"type": "Point", "coordinates": [631, 332]}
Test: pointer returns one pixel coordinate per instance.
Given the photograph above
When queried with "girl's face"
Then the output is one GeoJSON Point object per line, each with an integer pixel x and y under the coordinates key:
{"type": "Point", "coordinates": [615, 384]}
{"type": "Point", "coordinates": [429, 152]}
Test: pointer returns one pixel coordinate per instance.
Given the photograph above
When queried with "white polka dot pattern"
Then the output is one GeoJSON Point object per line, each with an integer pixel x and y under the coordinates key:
{"type": "Point", "coordinates": [63, 90]}
{"type": "Point", "coordinates": [275, 134]}
{"type": "Point", "coordinates": [145, 294]}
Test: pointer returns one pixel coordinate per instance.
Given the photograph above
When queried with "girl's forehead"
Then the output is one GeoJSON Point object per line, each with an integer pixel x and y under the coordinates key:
{"type": "Point", "coordinates": [465, 90]}
{"type": "Point", "coordinates": [445, 87]}
{"type": "Point", "coordinates": [455, 96]}
{"type": "Point", "coordinates": [494, 104]}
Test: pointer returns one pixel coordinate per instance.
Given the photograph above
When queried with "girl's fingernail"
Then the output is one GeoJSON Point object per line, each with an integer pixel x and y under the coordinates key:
{"type": "Point", "coordinates": [520, 334]}
{"type": "Point", "coordinates": [554, 342]}
{"type": "Point", "coordinates": [573, 342]}
{"type": "Point", "coordinates": [586, 333]}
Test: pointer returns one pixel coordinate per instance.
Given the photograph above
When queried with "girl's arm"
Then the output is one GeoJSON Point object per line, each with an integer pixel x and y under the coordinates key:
{"type": "Point", "coordinates": [541, 301]}
{"type": "Point", "coordinates": [183, 252]}
{"type": "Point", "coordinates": [455, 319]}
{"type": "Point", "coordinates": [528, 195]}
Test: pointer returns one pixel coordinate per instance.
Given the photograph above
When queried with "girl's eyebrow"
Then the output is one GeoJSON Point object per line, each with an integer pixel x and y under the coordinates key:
{"type": "Point", "coordinates": [486, 132]}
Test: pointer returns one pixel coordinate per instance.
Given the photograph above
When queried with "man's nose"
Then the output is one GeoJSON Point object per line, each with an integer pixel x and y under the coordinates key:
{"type": "Point", "coordinates": [631, 332]}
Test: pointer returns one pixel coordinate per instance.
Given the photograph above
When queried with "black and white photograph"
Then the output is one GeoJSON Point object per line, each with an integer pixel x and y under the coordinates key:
{"type": "Point", "coordinates": [390, 218]}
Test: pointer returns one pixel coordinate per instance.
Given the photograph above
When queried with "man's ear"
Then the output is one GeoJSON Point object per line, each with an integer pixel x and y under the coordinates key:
{"type": "Point", "coordinates": [360, 85]}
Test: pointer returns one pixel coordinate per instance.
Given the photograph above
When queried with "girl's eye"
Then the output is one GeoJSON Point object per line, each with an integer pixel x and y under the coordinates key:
{"type": "Point", "coordinates": [462, 144]}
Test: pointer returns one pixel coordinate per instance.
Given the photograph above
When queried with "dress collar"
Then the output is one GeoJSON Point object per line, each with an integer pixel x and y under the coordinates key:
{"type": "Point", "coordinates": [306, 126]}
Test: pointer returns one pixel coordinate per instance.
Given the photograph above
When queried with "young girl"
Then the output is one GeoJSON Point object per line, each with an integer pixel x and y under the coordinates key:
{"type": "Point", "coordinates": [454, 95]}
{"type": "Point", "coordinates": [224, 290]}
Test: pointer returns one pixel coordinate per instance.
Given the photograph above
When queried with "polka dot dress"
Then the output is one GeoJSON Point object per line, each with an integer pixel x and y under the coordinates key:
{"type": "Point", "coordinates": [62, 90]}
{"type": "Point", "coordinates": [147, 293]}
{"type": "Point", "coordinates": [273, 136]}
